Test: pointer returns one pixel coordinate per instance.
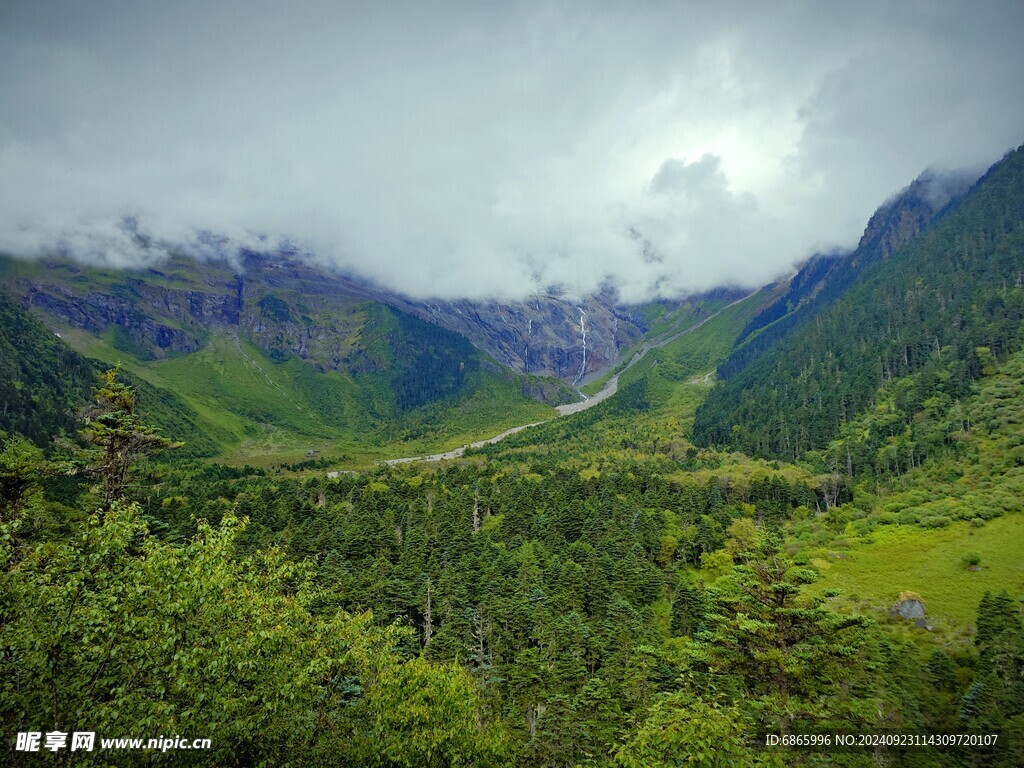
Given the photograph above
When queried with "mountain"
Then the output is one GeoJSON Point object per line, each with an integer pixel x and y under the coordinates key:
{"type": "Point", "coordinates": [276, 356]}
{"type": "Point", "coordinates": [930, 310]}
{"type": "Point", "coordinates": [659, 385]}
{"type": "Point", "coordinates": [596, 590]}
{"type": "Point", "coordinates": [291, 306]}
{"type": "Point", "coordinates": [303, 354]}
{"type": "Point", "coordinates": [826, 277]}
{"type": "Point", "coordinates": [275, 352]}
{"type": "Point", "coordinates": [546, 334]}
{"type": "Point", "coordinates": [44, 385]}
{"type": "Point", "coordinates": [42, 381]}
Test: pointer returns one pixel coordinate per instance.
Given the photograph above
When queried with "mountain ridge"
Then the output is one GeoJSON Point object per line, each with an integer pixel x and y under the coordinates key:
{"type": "Point", "coordinates": [935, 308]}
{"type": "Point", "coordinates": [824, 278]}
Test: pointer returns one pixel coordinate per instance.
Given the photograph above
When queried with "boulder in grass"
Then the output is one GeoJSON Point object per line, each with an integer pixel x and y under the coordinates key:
{"type": "Point", "coordinates": [909, 606]}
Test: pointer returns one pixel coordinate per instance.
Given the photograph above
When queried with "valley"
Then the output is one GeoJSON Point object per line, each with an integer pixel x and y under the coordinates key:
{"type": "Point", "coordinates": [609, 386]}
{"type": "Point", "coordinates": [712, 532]}
{"type": "Point", "coordinates": [512, 385]}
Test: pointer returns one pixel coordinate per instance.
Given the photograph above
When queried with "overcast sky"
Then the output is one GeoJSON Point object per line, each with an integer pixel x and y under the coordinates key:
{"type": "Point", "coordinates": [495, 148]}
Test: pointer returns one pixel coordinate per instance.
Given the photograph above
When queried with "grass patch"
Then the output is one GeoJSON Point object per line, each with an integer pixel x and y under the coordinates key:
{"type": "Point", "coordinates": [930, 562]}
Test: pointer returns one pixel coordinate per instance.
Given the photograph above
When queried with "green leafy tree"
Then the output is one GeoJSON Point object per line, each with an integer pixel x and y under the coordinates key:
{"type": "Point", "coordinates": [119, 632]}
{"type": "Point", "coordinates": [20, 464]}
{"type": "Point", "coordinates": [681, 730]}
{"type": "Point", "coordinates": [116, 631]}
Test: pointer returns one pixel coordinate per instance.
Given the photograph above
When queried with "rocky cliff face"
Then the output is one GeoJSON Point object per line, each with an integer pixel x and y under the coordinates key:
{"type": "Point", "coordinates": [548, 335]}
{"type": "Point", "coordinates": [288, 307]}
{"type": "Point", "coordinates": [96, 312]}
{"type": "Point", "coordinates": [285, 311]}
{"type": "Point", "coordinates": [907, 214]}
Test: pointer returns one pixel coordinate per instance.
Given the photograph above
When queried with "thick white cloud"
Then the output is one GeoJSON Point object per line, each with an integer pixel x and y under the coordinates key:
{"type": "Point", "coordinates": [474, 149]}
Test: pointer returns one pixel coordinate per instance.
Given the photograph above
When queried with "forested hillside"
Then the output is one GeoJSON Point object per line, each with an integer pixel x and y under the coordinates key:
{"type": "Point", "coordinates": [941, 309]}
{"type": "Point", "coordinates": [511, 385]}
{"type": "Point", "coordinates": [826, 277]}
{"type": "Point", "coordinates": [553, 611]}
{"type": "Point", "coordinates": [42, 381]}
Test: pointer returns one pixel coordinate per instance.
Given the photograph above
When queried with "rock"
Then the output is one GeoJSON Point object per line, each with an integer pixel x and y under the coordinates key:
{"type": "Point", "coordinates": [922, 624]}
{"type": "Point", "coordinates": [545, 334]}
{"type": "Point", "coordinates": [290, 307]}
{"type": "Point", "coordinates": [909, 606]}
{"type": "Point", "coordinates": [96, 312]}
{"type": "Point", "coordinates": [546, 391]}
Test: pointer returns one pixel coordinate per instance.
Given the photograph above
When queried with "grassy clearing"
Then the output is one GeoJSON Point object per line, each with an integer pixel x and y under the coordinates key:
{"type": "Point", "coordinates": [662, 324]}
{"type": "Point", "coordinates": [929, 562]}
{"type": "Point", "coordinates": [596, 385]}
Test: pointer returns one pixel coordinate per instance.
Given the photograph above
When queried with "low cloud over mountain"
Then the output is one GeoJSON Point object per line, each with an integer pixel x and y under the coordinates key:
{"type": "Point", "coordinates": [457, 149]}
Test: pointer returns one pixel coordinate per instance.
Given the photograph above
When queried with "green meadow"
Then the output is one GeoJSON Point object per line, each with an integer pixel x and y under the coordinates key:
{"type": "Point", "coordinates": [930, 563]}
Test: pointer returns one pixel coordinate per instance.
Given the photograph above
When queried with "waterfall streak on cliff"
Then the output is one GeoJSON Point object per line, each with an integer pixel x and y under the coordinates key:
{"type": "Point", "coordinates": [583, 366]}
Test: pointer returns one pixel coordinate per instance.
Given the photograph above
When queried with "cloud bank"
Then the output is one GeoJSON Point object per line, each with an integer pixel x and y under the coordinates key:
{"type": "Point", "coordinates": [491, 150]}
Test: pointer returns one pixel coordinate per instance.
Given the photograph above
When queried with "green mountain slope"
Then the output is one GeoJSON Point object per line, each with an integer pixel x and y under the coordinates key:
{"type": "Point", "coordinates": [42, 381]}
{"type": "Point", "coordinates": [937, 310]}
{"type": "Point", "coordinates": [604, 588]}
{"type": "Point", "coordinates": [254, 408]}
{"type": "Point", "coordinates": [826, 277]}
{"type": "Point", "coordinates": [273, 365]}
{"type": "Point", "coordinates": [44, 384]}
{"type": "Point", "coordinates": [912, 532]}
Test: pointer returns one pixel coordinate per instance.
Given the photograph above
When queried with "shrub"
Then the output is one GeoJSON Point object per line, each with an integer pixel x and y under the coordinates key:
{"type": "Point", "coordinates": [862, 527]}
{"type": "Point", "coordinates": [907, 517]}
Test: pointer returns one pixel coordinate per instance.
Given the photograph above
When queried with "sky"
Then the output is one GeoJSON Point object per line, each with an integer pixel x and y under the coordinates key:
{"type": "Point", "coordinates": [492, 149]}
